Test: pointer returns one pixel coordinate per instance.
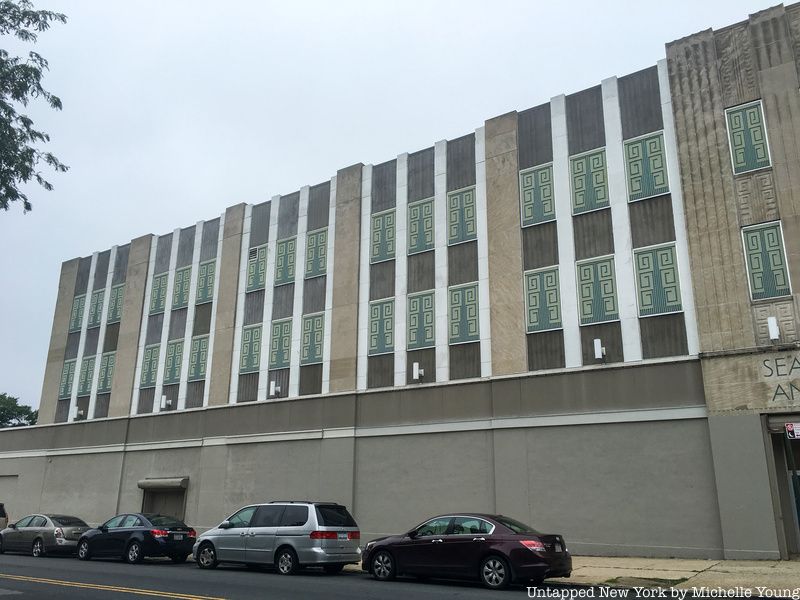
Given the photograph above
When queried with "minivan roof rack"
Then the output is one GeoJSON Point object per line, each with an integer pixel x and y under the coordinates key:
{"type": "Point", "coordinates": [300, 502]}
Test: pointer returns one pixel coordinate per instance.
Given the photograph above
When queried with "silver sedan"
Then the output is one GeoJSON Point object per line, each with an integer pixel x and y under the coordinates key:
{"type": "Point", "coordinates": [39, 535]}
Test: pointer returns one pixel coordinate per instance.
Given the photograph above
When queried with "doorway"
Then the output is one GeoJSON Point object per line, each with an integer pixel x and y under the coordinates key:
{"type": "Point", "coordinates": [165, 502]}
{"type": "Point", "coordinates": [786, 453]}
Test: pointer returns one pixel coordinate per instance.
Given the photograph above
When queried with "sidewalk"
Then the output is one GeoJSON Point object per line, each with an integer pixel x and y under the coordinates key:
{"type": "Point", "coordinates": [774, 575]}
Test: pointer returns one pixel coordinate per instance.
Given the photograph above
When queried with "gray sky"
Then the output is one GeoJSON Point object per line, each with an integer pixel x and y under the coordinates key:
{"type": "Point", "coordinates": [174, 110]}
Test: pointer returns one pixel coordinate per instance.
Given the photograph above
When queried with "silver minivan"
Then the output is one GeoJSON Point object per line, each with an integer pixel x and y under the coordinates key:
{"type": "Point", "coordinates": [287, 534]}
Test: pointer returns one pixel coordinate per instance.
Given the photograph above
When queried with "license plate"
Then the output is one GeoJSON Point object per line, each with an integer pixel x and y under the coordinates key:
{"type": "Point", "coordinates": [342, 535]}
{"type": "Point", "coordinates": [178, 536]}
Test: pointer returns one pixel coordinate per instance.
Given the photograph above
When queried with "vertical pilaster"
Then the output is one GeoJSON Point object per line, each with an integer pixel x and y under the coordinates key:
{"type": "Point", "coordinates": [363, 277]}
{"type": "Point", "coordinates": [484, 303]}
{"type": "Point", "coordinates": [101, 338]}
{"type": "Point", "coordinates": [299, 280]}
{"type": "Point", "coordinates": [162, 355]}
{"type": "Point", "coordinates": [190, 309]}
{"type": "Point", "coordinates": [137, 377]}
{"type": "Point", "coordinates": [269, 295]}
{"type": "Point", "coordinates": [326, 342]}
{"type": "Point", "coordinates": [233, 392]}
{"type": "Point", "coordinates": [214, 306]}
{"type": "Point", "coordinates": [440, 259]}
{"type": "Point", "coordinates": [401, 269]}
{"type": "Point", "coordinates": [71, 416]}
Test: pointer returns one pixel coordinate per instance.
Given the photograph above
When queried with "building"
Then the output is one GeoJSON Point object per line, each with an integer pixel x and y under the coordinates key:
{"type": "Point", "coordinates": [581, 314]}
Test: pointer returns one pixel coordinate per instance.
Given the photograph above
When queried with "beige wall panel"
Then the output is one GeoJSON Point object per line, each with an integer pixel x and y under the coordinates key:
{"type": "Point", "coordinates": [21, 481]}
{"type": "Point", "coordinates": [83, 485]}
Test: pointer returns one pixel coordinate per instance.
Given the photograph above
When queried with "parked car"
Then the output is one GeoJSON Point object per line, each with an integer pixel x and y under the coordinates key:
{"type": "Point", "coordinates": [134, 536]}
{"type": "Point", "coordinates": [3, 516]}
{"type": "Point", "coordinates": [43, 534]}
{"type": "Point", "coordinates": [492, 548]}
{"type": "Point", "coordinates": [287, 534]}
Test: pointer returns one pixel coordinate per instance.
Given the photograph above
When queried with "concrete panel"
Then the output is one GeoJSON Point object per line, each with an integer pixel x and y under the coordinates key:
{"type": "Point", "coordinates": [208, 246]}
{"type": "Point", "coordinates": [319, 200]}
{"type": "Point", "coordinates": [421, 271]}
{"type": "Point", "coordinates": [310, 380]}
{"type": "Point", "coordinates": [545, 350]}
{"type": "Point", "coordinates": [155, 324]}
{"type": "Point", "coordinates": [111, 338]}
{"type": "Point", "coordinates": [282, 301]}
{"type": "Point", "coordinates": [610, 335]}
{"type": "Point", "coordinates": [749, 530]}
{"type": "Point", "coordinates": [130, 326]}
{"type": "Point", "coordinates": [288, 212]}
{"type": "Point", "coordinates": [121, 264]}
{"type": "Point", "coordinates": [58, 339]}
{"type": "Point", "coordinates": [663, 335]}
{"type": "Point", "coordinates": [185, 247]}
{"type": "Point", "coordinates": [177, 324]}
{"type": "Point", "coordinates": [147, 400]}
{"type": "Point", "coordinates": [90, 345]}
{"type": "Point", "coordinates": [535, 135]}
{"type": "Point", "coordinates": [420, 174]}
{"type": "Point", "coordinates": [202, 319]}
{"type": "Point", "coordinates": [82, 275]}
{"type": "Point", "coordinates": [540, 246]}
{"type": "Point", "coordinates": [427, 362]}
{"type": "Point", "coordinates": [163, 251]}
{"type": "Point", "coordinates": [259, 224]}
{"type": "Point", "coordinates": [314, 294]}
{"type": "Point", "coordinates": [194, 393]}
{"type": "Point", "coordinates": [248, 387]}
{"type": "Point", "coordinates": [384, 186]}
{"type": "Point", "coordinates": [281, 379]}
{"type": "Point", "coordinates": [101, 270]}
{"type": "Point", "coordinates": [101, 406]}
{"type": "Point", "coordinates": [462, 263]}
{"type": "Point", "coordinates": [381, 280]}
{"type": "Point", "coordinates": [461, 162]}
{"type": "Point", "coordinates": [73, 342]}
{"type": "Point", "coordinates": [593, 234]}
{"type": "Point", "coordinates": [585, 127]}
{"type": "Point", "coordinates": [380, 371]}
{"type": "Point", "coordinates": [219, 376]}
{"type": "Point", "coordinates": [652, 221]}
{"type": "Point", "coordinates": [465, 361]}
{"type": "Point", "coordinates": [640, 103]}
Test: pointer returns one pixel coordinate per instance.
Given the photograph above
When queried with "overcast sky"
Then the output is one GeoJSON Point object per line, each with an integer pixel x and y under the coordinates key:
{"type": "Point", "coordinates": [174, 110]}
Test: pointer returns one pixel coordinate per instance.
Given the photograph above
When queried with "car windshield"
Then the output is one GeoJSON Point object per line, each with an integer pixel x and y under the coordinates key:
{"type": "Point", "coordinates": [334, 515]}
{"type": "Point", "coordinates": [65, 521]}
{"type": "Point", "coordinates": [164, 521]}
{"type": "Point", "coordinates": [515, 525]}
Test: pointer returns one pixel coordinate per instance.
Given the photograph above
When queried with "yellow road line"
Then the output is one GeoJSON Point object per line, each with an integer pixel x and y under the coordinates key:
{"type": "Point", "coordinates": [108, 588]}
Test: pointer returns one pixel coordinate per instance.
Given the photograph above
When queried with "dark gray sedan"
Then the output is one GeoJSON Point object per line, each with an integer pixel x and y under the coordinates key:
{"type": "Point", "coordinates": [38, 535]}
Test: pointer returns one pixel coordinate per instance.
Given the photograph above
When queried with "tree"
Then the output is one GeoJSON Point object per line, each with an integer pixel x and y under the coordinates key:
{"type": "Point", "coordinates": [20, 82]}
{"type": "Point", "coordinates": [13, 414]}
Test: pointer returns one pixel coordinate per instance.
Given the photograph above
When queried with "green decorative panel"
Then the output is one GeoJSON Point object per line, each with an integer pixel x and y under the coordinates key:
{"type": "Point", "coordinates": [149, 366]}
{"type": "Point", "coordinates": [85, 378]}
{"type": "Point", "coordinates": [106, 375]}
{"type": "Point", "coordinates": [158, 295]}
{"type": "Point", "coordinates": [748, 138]}
{"type": "Point", "coordinates": [180, 289]}
{"type": "Point", "coordinates": [284, 261]}
{"type": "Point", "coordinates": [657, 282]}
{"type": "Point", "coordinates": [198, 358]}
{"type": "Point", "coordinates": [589, 181]}
{"type": "Point", "coordinates": [280, 344]}
{"type": "Point", "coordinates": [250, 356]}
{"type": "Point", "coordinates": [96, 308]}
{"type": "Point", "coordinates": [205, 281]}
{"type": "Point", "coordinates": [381, 327]}
{"type": "Point", "coordinates": [67, 375]}
{"type": "Point", "coordinates": [256, 268]}
{"type": "Point", "coordinates": [464, 314]}
{"type": "Point", "coordinates": [317, 253]}
{"type": "Point", "coordinates": [382, 236]}
{"type": "Point", "coordinates": [542, 300]}
{"type": "Point", "coordinates": [76, 316]}
{"type": "Point", "coordinates": [420, 226]}
{"type": "Point", "coordinates": [766, 262]}
{"type": "Point", "coordinates": [115, 303]}
{"type": "Point", "coordinates": [172, 363]}
{"type": "Point", "coordinates": [597, 291]}
{"type": "Point", "coordinates": [462, 223]}
{"type": "Point", "coordinates": [646, 165]}
{"type": "Point", "coordinates": [313, 334]}
{"type": "Point", "coordinates": [421, 321]}
{"type": "Point", "coordinates": [536, 192]}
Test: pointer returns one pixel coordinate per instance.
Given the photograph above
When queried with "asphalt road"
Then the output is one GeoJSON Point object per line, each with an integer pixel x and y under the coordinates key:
{"type": "Point", "coordinates": [26, 577]}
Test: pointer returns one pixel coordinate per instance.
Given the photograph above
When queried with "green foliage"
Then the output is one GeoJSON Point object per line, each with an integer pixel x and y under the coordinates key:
{"type": "Point", "coordinates": [14, 414]}
{"type": "Point", "coordinates": [21, 81]}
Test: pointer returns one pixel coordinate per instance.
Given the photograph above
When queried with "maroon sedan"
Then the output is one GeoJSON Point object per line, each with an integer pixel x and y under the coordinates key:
{"type": "Point", "coordinates": [493, 548]}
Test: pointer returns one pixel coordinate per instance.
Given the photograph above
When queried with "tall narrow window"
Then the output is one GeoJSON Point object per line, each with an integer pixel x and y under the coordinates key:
{"type": "Point", "coordinates": [381, 327]}
{"type": "Point", "coordinates": [256, 268]}
{"type": "Point", "coordinates": [86, 375]}
{"type": "Point", "coordinates": [462, 224]}
{"type": "Point", "coordinates": [206, 272]}
{"type": "Point", "coordinates": [464, 316]}
{"type": "Point", "coordinates": [597, 291]}
{"type": "Point", "coordinates": [67, 376]}
{"type": "Point", "coordinates": [115, 303]}
{"type": "Point", "coordinates": [748, 137]}
{"type": "Point", "coordinates": [284, 261]}
{"type": "Point", "coordinates": [180, 291]}
{"type": "Point", "coordinates": [589, 181]}
{"type": "Point", "coordinates": [420, 226]}
{"type": "Point", "coordinates": [646, 166]}
{"type": "Point", "coordinates": [536, 195]}
{"type": "Point", "coordinates": [542, 293]}
{"type": "Point", "coordinates": [657, 283]}
{"type": "Point", "coordinates": [250, 356]}
{"type": "Point", "coordinates": [158, 295]}
{"type": "Point", "coordinates": [421, 321]}
{"type": "Point", "coordinates": [311, 344]}
{"type": "Point", "coordinates": [280, 344]}
{"type": "Point", "coordinates": [198, 358]}
{"type": "Point", "coordinates": [316, 252]}
{"type": "Point", "coordinates": [382, 236]}
{"type": "Point", "coordinates": [76, 316]}
{"type": "Point", "coordinates": [106, 375]}
{"type": "Point", "coordinates": [766, 261]}
{"type": "Point", "coordinates": [172, 362]}
{"type": "Point", "coordinates": [149, 366]}
{"type": "Point", "coordinates": [96, 308]}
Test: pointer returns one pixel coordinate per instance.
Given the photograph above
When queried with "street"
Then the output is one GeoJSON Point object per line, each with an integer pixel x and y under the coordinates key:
{"type": "Point", "coordinates": [66, 577]}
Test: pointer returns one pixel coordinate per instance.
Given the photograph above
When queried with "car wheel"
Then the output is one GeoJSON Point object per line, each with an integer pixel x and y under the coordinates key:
{"type": "Point", "coordinates": [383, 568]}
{"type": "Point", "coordinates": [178, 558]}
{"type": "Point", "coordinates": [207, 557]}
{"type": "Point", "coordinates": [286, 562]}
{"type": "Point", "coordinates": [333, 569]}
{"type": "Point", "coordinates": [37, 550]}
{"type": "Point", "coordinates": [495, 573]}
{"type": "Point", "coordinates": [134, 554]}
{"type": "Point", "coordinates": [83, 550]}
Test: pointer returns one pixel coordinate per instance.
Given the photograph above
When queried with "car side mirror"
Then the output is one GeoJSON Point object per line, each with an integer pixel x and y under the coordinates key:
{"type": "Point", "coordinates": [412, 534]}
{"type": "Point", "coordinates": [12, 525]}
{"type": "Point", "coordinates": [103, 528]}
{"type": "Point", "coordinates": [225, 525]}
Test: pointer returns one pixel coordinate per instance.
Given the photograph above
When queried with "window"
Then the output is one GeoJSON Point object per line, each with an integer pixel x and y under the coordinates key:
{"type": "Point", "coordinates": [256, 269]}
{"type": "Point", "coordinates": [205, 281]}
{"type": "Point", "coordinates": [106, 375]}
{"type": "Point", "coordinates": [462, 224]}
{"type": "Point", "coordinates": [284, 261]}
{"type": "Point", "coordinates": [436, 526]}
{"type": "Point", "coordinates": [382, 236]}
{"type": "Point", "coordinates": [149, 366]}
{"type": "Point", "coordinates": [334, 515]}
{"type": "Point", "coordinates": [67, 375]}
{"type": "Point", "coordinates": [316, 253]}
{"type": "Point", "coordinates": [657, 285]}
{"type": "Point", "coordinates": [198, 358]}
{"type": "Point", "coordinates": [420, 226]}
{"type": "Point", "coordinates": [515, 526]}
{"type": "Point", "coordinates": [542, 304]}
{"type": "Point", "coordinates": [536, 195]}
{"type": "Point", "coordinates": [646, 167]}
{"type": "Point", "coordinates": [158, 295]}
{"type": "Point", "coordinates": [464, 314]}
{"type": "Point", "coordinates": [589, 181]}
{"type": "Point", "coordinates": [115, 303]}
{"type": "Point", "coordinates": [66, 521]}
{"type": "Point", "coordinates": [294, 516]}
{"type": "Point", "coordinates": [172, 364]}
{"type": "Point", "coordinates": [76, 316]}
{"type": "Point", "coordinates": [471, 525]}
{"type": "Point", "coordinates": [130, 521]}
{"type": "Point", "coordinates": [280, 344]}
{"type": "Point", "coordinates": [24, 521]}
{"type": "Point", "coordinates": [243, 517]}
{"type": "Point", "coordinates": [421, 321]}
{"type": "Point", "coordinates": [96, 308]}
{"type": "Point", "coordinates": [311, 343]}
{"type": "Point", "coordinates": [251, 349]}
{"type": "Point", "coordinates": [748, 137]}
{"type": "Point", "coordinates": [381, 327]}
{"type": "Point", "coordinates": [180, 292]}
{"type": "Point", "coordinates": [38, 521]}
{"type": "Point", "coordinates": [114, 522]}
{"type": "Point", "coordinates": [766, 261]}
{"type": "Point", "coordinates": [268, 516]}
{"type": "Point", "coordinates": [85, 377]}
{"type": "Point", "coordinates": [597, 291]}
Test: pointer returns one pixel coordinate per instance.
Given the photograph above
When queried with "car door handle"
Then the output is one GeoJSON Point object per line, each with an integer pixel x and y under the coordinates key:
{"type": "Point", "coordinates": [242, 534]}
{"type": "Point", "coordinates": [252, 534]}
{"type": "Point", "coordinates": [478, 539]}
{"type": "Point", "coordinates": [439, 541]}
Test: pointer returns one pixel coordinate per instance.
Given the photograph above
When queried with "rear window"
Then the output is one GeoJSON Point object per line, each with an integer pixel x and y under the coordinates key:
{"type": "Point", "coordinates": [165, 521]}
{"type": "Point", "coordinates": [515, 525]}
{"type": "Point", "coordinates": [65, 521]}
{"type": "Point", "coordinates": [331, 515]}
